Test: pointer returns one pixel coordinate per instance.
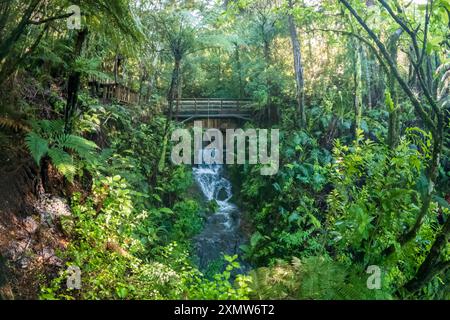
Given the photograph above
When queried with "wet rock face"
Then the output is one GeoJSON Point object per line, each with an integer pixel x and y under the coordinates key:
{"type": "Point", "coordinates": [221, 234]}
{"type": "Point", "coordinates": [222, 195]}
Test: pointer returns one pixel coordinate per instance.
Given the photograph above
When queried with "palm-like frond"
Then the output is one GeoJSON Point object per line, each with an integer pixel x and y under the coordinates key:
{"type": "Point", "coordinates": [47, 138]}
{"type": "Point", "coordinates": [83, 147]}
{"type": "Point", "coordinates": [47, 127]}
{"type": "Point", "coordinates": [14, 124]}
{"type": "Point", "coordinates": [37, 145]}
{"type": "Point", "coordinates": [312, 278]}
{"type": "Point", "coordinates": [63, 162]}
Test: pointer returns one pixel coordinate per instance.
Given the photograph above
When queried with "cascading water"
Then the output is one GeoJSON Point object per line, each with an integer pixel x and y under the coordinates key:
{"type": "Point", "coordinates": [221, 234]}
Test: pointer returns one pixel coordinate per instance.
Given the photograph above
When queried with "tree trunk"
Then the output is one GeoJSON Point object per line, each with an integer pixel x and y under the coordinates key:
{"type": "Point", "coordinates": [266, 52]}
{"type": "Point", "coordinates": [394, 125]}
{"type": "Point", "coordinates": [431, 266]}
{"type": "Point", "coordinates": [8, 42]}
{"type": "Point", "coordinates": [358, 87]}
{"type": "Point", "coordinates": [73, 83]}
{"type": "Point", "coordinates": [173, 89]}
{"type": "Point", "coordinates": [144, 76]}
{"type": "Point", "coordinates": [298, 69]}
{"type": "Point", "coordinates": [239, 70]}
{"type": "Point", "coordinates": [368, 79]}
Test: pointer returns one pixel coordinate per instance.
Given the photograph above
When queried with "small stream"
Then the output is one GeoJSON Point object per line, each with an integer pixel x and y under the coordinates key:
{"type": "Point", "coordinates": [221, 233]}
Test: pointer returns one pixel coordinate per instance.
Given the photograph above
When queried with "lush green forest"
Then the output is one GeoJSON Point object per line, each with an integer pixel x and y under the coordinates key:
{"type": "Point", "coordinates": [92, 207]}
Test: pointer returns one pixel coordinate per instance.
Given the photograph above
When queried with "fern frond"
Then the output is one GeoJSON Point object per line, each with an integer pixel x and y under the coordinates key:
{"type": "Point", "coordinates": [14, 124]}
{"type": "Point", "coordinates": [37, 145]}
{"type": "Point", "coordinates": [83, 147]}
{"type": "Point", "coordinates": [48, 127]}
{"type": "Point", "coordinates": [316, 277]}
{"type": "Point", "coordinates": [63, 163]}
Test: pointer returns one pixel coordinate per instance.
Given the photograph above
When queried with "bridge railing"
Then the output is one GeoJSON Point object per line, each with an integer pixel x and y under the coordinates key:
{"type": "Point", "coordinates": [114, 91]}
{"type": "Point", "coordinates": [212, 106]}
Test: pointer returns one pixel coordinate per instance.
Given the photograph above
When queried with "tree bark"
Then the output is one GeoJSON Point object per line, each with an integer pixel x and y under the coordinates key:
{"type": "Point", "coordinates": [8, 42]}
{"type": "Point", "coordinates": [173, 89]}
{"type": "Point", "coordinates": [393, 126]}
{"type": "Point", "coordinates": [143, 78]}
{"type": "Point", "coordinates": [298, 69]}
{"type": "Point", "coordinates": [431, 265]}
{"type": "Point", "coordinates": [358, 87]}
{"type": "Point", "coordinates": [367, 71]}
{"type": "Point", "coordinates": [73, 83]}
{"type": "Point", "coordinates": [237, 57]}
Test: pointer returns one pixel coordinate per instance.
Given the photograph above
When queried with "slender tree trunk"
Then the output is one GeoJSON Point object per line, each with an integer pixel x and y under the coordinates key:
{"type": "Point", "coordinates": [431, 266]}
{"type": "Point", "coordinates": [171, 96]}
{"type": "Point", "coordinates": [358, 87]}
{"type": "Point", "coordinates": [73, 83]}
{"type": "Point", "coordinates": [8, 42]}
{"type": "Point", "coordinates": [432, 174]}
{"type": "Point", "coordinates": [368, 78]}
{"type": "Point", "coordinates": [179, 89]}
{"type": "Point", "coordinates": [173, 89]}
{"type": "Point", "coordinates": [394, 125]}
{"type": "Point", "coordinates": [152, 83]}
{"type": "Point", "coordinates": [239, 70]}
{"type": "Point", "coordinates": [298, 69]}
{"type": "Point", "coordinates": [144, 76]}
{"type": "Point", "coordinates": [268, 80]}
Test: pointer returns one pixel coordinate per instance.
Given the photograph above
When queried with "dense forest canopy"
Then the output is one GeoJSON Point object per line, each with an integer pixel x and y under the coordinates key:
{"type": "Point", "coordinates": [91, 91]}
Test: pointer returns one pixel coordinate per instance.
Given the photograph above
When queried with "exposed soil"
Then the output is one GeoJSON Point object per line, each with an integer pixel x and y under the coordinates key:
{"type": "Point", "coordinates": [30, 232]}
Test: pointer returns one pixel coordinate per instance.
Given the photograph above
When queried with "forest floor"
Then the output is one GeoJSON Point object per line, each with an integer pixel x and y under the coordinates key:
{"type": "Point", "coordinates": [30, 232]}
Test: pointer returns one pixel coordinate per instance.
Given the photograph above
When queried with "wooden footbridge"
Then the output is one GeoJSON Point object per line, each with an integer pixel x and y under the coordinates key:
{"type": "Point", "coordinates": [114, 92]}
{"type": "Point", "coordinates": [213, 112]}
{"type": "Point", "coordinates": [210, 108]}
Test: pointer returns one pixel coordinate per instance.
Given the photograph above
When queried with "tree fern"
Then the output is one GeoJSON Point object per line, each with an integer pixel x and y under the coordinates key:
{"type": "Point", "coordinates": [14, 124]}
{"type": "Point", "coordinates": [47, 138]}
{"type": "Point", "coordinates": [63, 162]}
{"type": "Point", "coordinates": [81, 146]}
{"type": "Point", "coordinates": [37, 145]}
{"type": "Point", "coordinates": [314, 278]}
{"type": "Point", "coordinates": [47, 128]}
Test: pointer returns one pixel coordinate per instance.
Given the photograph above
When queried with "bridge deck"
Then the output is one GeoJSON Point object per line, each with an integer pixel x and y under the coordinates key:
{"type": "Point", "coordinates": [212, 108]}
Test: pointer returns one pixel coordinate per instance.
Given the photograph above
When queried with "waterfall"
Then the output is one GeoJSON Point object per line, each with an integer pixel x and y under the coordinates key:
{"type": "Point", "coordinates": [221, 234]}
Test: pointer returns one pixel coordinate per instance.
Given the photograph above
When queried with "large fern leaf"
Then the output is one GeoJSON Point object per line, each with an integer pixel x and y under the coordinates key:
{"type": "Point", "coordinates": [14, 124]}
{"type": "Point", "coordinates": [63, 163]}
{"type": "Point", "coordinates": [312, 278]}
{"type": "Point", "coordinates": [48, 128]}
{"type": "Point", "coordinates": [37, 145]}
{"type": "Point", "coordinates": [83, 147]}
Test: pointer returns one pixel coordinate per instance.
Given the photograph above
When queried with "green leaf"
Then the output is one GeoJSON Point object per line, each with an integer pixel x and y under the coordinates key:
{"type": "Point", "coordinates": [293, 217]}
{"type": "Point", "coordinates": [37, 145]}
{"type": "Point", "coordinates": [441, 201]}
{"type": "Point", "coordinates": [256, 237]}
{"type": "Point", "coordinates": [122, 292]}
{"type": "Point", "coordinates": [166, 210]}
{"type": "Point", "coordinates": [277, 187]}
{"type": "Point", "coordinates": [81, 146]}
{"type": "Point", "coordinates": [63, 163]}
{"type": "Point", "coordinates": [314, 221]}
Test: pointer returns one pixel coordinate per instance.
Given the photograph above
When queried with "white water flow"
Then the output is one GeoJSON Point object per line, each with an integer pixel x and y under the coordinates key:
{"type": "Point", "coordinates": [221, 234]}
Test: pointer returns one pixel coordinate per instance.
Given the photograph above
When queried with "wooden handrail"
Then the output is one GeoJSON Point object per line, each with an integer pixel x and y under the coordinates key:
{"type": "Point", "coordinates": [119, 92]}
